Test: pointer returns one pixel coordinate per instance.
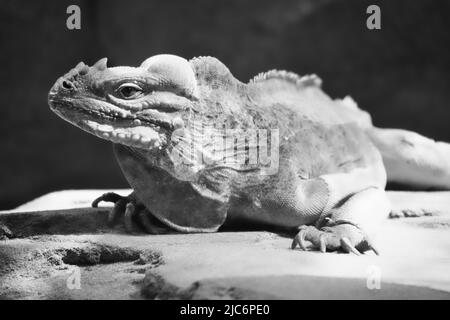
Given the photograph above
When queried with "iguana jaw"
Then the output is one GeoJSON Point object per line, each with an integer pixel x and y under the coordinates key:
{"type": "Point", "coordinates": [114, 124]}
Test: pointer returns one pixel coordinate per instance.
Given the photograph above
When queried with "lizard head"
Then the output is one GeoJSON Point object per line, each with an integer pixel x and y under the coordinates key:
{"type": "Point", "coordinates": [135, 106]}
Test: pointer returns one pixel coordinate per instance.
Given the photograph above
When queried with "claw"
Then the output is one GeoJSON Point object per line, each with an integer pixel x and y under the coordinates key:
{"type": "Point", "coordinates": [347, 246]}
{"type": "Point", "coordinates": [301, 239]}
{"type": "Point", "coordinates": [118, 210]}
{"type": "Point", "coordinates": [294, 242]}
{"type": "Point", "coordinates": [371, 246]}
{"type": "Point", "coordinates": [129, 212]}
{"type": "Point", "coordinates": [108, 197]}
{"type": "Point", "coordinates": [323, 244]}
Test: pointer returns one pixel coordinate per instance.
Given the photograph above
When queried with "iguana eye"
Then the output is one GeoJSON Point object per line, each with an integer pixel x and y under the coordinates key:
{"type": "Point", "coordinates": [129, 91]}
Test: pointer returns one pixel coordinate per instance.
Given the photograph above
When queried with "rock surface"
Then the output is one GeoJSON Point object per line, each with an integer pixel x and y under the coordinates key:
{"type": "Point", "coordinates": [64, 250]}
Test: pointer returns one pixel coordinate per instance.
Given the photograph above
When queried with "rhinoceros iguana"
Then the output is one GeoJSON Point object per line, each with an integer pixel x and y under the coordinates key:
{"type": "Point", "coordinates": [201, 149]}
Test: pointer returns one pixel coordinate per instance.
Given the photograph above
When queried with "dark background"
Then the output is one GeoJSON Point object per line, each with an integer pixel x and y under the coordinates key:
{"type": "Point", "coordinates": [399, 73]}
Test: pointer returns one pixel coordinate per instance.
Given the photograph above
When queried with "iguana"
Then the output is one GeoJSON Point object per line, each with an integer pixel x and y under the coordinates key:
{"type": "Point", "coordinates": [193, 142]}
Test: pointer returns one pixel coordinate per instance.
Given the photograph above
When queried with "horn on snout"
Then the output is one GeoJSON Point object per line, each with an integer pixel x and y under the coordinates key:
{"type": "Point", "coordinates": [174, 69]}
{"type": "Point", "coordinates": [101, 64]}
{"type": "Point", "coordinates": [82, 68]}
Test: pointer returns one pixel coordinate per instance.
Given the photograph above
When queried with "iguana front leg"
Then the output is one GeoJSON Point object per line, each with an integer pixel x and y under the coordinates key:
{"type": "Point", "coordinates": [131, 209]}
{"type": "Point", "coordinates": [348, 225]}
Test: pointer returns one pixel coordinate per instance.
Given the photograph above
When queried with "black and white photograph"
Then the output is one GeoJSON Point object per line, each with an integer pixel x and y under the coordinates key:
{"type": "Point", "coordinates": [234, 150]}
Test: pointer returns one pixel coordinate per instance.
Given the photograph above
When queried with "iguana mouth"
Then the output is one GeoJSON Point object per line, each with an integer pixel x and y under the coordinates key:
{"type": "Point", "coordinates": [118, 126]}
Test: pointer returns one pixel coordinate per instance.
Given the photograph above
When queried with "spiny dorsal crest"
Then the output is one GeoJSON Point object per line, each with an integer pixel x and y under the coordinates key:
{"type": "Point", "coordinates": [212, 71]}
{"type": "Point", "coordinates": [208, 61]}
{"type": "Point", "coordinates": [305, 81]}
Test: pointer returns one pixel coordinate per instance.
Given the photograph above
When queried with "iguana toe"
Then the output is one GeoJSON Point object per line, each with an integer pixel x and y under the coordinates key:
{"type": "Point", "coordinates": [134, 214]}
{"type": "Point", "coordinates": [119, 201]}
{"type": "Point", "coordinates": [117, 211]}
{"type": "Point", "coordinates": [323, 244]}
{"type": "Point", "coordinates": [107, 197]}
{"type": "Point", "coordinates": [130, 211]}
{"type": "Point", "coordinates": [344, 237]}
{"type": "Point", "coordinates": [126, 207]}
{"type": "Point", "coordinates": [348, 246]}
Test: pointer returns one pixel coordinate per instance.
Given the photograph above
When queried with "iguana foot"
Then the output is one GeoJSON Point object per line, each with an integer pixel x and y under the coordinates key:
{"type": "Point", "coordinates": [131, 210]}
{"type": "Point", "coordinates": [345, 237]}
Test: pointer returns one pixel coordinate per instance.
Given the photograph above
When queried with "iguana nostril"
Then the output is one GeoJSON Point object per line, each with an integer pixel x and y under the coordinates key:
{"type": "Point", "coordinates": [67, 85]}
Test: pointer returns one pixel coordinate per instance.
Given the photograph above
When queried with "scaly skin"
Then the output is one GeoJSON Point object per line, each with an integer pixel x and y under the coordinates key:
{"type": "Point", "coordinates": [327, 181]}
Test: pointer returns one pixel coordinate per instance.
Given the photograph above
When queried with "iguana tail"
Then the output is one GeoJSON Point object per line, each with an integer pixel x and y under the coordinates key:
{"type": "Point", "coordinates": [411, 160]}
